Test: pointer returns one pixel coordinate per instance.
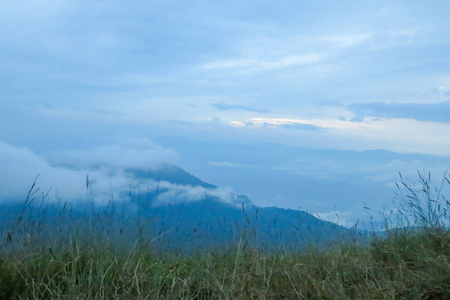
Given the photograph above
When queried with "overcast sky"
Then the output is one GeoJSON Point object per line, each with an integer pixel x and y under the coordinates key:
{"type": "Point", "coordinates": [277, 100]}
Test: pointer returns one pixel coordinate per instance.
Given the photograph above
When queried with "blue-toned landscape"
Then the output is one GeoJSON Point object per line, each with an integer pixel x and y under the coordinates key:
{"type": "Point", "coordinates": [224, 149]}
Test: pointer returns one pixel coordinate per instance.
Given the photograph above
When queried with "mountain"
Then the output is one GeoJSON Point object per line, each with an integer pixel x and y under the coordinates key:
{"type": "Point", "coordinates": [170, 173]}
{"type": "Point", "coordinates": [199, 217]}
{"type": "Point", "coordinates": [211, 224]}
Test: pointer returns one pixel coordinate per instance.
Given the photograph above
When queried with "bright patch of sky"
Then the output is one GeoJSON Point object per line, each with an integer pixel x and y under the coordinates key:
{"type": "Point", "coordinates": [244, 94]}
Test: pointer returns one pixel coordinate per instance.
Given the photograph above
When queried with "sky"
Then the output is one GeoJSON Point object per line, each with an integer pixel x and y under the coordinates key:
{"type": "Point", "coordinates": [312, 105]}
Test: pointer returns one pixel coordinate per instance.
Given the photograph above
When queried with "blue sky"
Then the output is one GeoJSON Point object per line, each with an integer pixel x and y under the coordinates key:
{"type": "Point", "coordinates": [283, 101]}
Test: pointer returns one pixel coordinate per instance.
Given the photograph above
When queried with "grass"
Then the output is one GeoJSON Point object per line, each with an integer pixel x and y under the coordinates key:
{"type": "Point", "coordinates": [411, 260]}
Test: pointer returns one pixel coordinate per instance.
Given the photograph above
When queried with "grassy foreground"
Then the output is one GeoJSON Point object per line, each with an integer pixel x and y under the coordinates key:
{"type": "Point", "coordinates": [400, 267]}
{"type": "Point", "coordinates": [411, 262]}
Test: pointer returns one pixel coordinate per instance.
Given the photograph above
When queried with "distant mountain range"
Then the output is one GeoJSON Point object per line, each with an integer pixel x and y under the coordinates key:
{"type": "Point", "coordinates": [177, 225]}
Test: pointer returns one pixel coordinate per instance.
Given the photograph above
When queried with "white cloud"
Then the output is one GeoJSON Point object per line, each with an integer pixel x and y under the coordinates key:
{"type": "Point", "coordinates": [245, 66]}
{"type": "Point", "coordinates": [346, 41]}
{"type": "Point", "coordinates": [269, 54]}
{"type": "Point", "coordinates": [20, 167]}
{"type": "Point", "coordinates": [338, 217]}
{"type": "Point", "coordinates": [261, 122]}
{"type": "Point", "coordinates": [226, 164]}
{"type": "Point", "coordinates": [136, 153]}
{"type": "Point", "coordinates": [186, 193]}
{"type": "Point", "coordinates": [398, 135]}
{"type": "Point", "coordinates": [230, 64]}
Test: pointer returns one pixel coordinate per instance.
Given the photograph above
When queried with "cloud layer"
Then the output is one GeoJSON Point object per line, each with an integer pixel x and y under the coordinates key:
{"type": "Point", "coordinates": [105, 168]}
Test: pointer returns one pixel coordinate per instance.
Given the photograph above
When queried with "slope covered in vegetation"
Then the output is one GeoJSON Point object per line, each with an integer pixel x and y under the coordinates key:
{"type": "Point", "coordinates": [410, 260]}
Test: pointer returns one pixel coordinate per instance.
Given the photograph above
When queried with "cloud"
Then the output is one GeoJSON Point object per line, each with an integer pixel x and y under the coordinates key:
{"type": "Point", "coordinates": [278, 122]}
{"type": "Point", "coordinates": [346, 41]}
{"type": "Point", "coordinates": [136, 153]}
{"type": "Point", "coordinates": [185, 193]}
{"type": "Point", "coordinates": [272, 53]}
{"type": "Point", "coordinates": [225, 106]}
{"type": "Point", "coordinates": [86, 71]}
{"type": "Point", "coordinates": [435, 112]}
{"type": "Point", "coordinates": [338, 217]}
{"type": "Point", "coordinates": [66, 177]}
{"type": "Point", "coordinates": [301, 126]}
{"type": "Point", "coordinates": [396, 134]}
{"type": "Point", "coordinates": [245, 66]}
{"type": "Point", "coordinates": [369, 166]}
{"type": "Point", "coordinates": [20, 166]}
{"type": "Point", "coordinates": [226, 164]}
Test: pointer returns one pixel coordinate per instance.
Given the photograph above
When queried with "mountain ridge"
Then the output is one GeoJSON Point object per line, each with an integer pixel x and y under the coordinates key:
{"type": "Point", "coordinates": [180, 225]}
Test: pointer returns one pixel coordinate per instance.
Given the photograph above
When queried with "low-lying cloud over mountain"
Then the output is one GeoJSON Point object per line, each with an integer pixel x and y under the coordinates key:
{"type": "Point", "coordinates": [176, 206]}
{"type": "Point", "coordinates": [105, 173]}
